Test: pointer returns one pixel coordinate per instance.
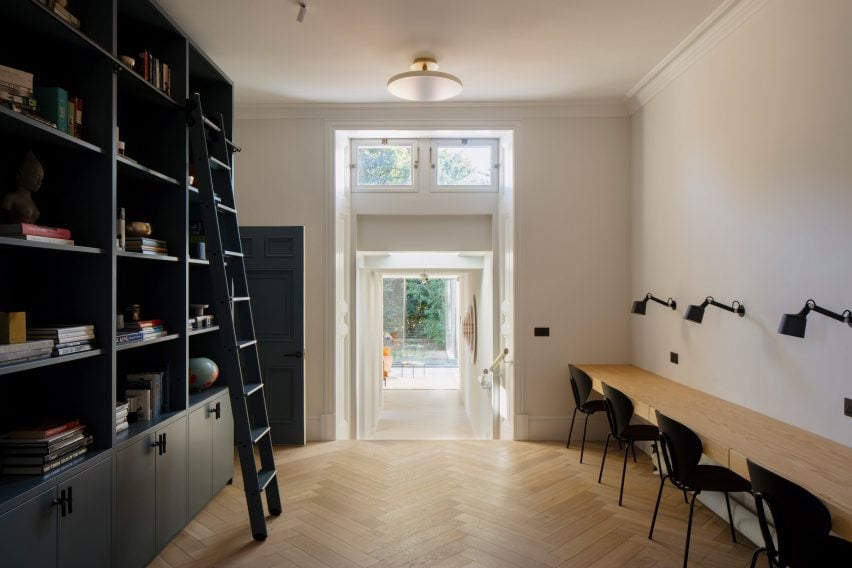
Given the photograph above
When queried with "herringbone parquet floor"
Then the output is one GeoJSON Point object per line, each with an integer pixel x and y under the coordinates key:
{"type": "Point", "coordinates": [453, 504]}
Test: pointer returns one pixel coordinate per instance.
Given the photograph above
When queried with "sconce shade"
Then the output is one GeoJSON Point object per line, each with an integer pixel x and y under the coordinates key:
{"type": "Point", "coordinates": [639, 307]}
{"type": "Point", "coordinates": [793, 325]}
{"type": "Point", "coordinates": [694, 313]}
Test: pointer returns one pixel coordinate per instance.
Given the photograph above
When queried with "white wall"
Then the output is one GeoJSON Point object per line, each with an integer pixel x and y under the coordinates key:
{"type": "Point", "coordinates": [424, 232]}
{"type": "Point", "coordinates": [742, 189]}
{"type": "Point", "coordinates": [571, 188]}
{"type": "Point", "coordinates": [477, 401]}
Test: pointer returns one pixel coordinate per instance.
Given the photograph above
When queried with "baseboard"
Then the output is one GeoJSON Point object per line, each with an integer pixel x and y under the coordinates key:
{"type": "Point", "coordinates": [542, 428]}
{"type": "Point", "coordinates": [313, 430]}
{"type": "Point", "coordinates": [328, 427]}
{"type": "Point", "coordinates": [522, 427]}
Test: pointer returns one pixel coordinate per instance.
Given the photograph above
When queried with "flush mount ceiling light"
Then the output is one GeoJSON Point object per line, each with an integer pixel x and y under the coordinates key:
{"type": "Point", "coordinates": [424, 83]}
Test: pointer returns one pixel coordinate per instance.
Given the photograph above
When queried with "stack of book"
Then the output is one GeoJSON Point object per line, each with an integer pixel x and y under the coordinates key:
{"type": "Point", "coordinates": [60, 8]}
{"type": "Point", "coordinates": [154, 71]}
{"type": "Point", "coordinates": [145, 245]}
{"type": "Point", "coordinates": [16, 90]}
{"type": "Point", "coordinates": [41, 448]}
{"type": "Point", "coordinates": [121, 411]}
{"type": "Point", "coordinates": [67, 339]}
{"type": "Point", "coordinates": [148, 389]}
{"type": "Point", "coordinates": [30, 232]}
{"type": "Point", "coordinates": [60, 109]}
{"type": "Point", "coordinates": [24, 352]}
{"type": "Point", "coordinates": [141, 330]}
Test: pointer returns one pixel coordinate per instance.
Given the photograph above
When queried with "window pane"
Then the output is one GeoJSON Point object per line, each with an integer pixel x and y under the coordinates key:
{"type": "Point", "coordinates": [384, 165]}
{"type": "Point", "coordinates": [464, 165]}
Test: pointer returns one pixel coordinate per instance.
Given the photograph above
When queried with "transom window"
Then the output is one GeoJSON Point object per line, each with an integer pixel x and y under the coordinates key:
{"type": "Point", "coordinates": [464, 165]}
{"type": "Point", "coordinates": [384, 165]}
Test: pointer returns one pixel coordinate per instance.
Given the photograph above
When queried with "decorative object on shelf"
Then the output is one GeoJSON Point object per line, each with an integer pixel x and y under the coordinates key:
{"type": "Point", "coordinates": [119, 321]}
{"type": "Point", "coordinates": [138, 229]}
{"type": "Point", "coordinates": [198, 250]}
{"type": "Point", "coordinates": [424, 83]}
{"type": "Point", "coordinates": [794, 324]}
{"type": "Point", "coordinates": [127, 60]}
{"type": "Point", "coordinates": [639, 306]}
{"type": "Point", "coordinates": [132, 312]}
{"type": "Point", "coordinates": [696, 313]}
{"type": "Point", "coordinates": [469, 328]}
{"type": "Point", "coordinates": [151, 386]}
{"type": "Point", "coordinates": [198, 309]}
{"type": "Point", "coordinates": [18, 205]}
{"type": "Point", "coordinates": [121, 229]}
{"type": "Point", "coordinates": [13, 327]}
{"type": "Point", "coordinates": [203, 372]}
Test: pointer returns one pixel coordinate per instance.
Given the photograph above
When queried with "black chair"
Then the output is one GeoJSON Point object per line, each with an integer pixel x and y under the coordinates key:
{"type": "Point", "coordinates": [681, 450]}
{"type": "Point", "coordinates": [802, 524]}
{"type": "Point", "coordinates": [619, 412]}
{"type": "Point", "coordinates": [581, 388]}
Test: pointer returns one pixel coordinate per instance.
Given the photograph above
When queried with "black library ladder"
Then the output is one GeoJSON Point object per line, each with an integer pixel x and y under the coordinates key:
{"type": "Point", "coordinates": [211, 156]}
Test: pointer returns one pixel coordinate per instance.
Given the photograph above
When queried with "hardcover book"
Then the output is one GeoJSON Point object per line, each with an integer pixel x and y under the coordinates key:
{"type": "Point", "coordinates": [44, 430]}
{"type": "Point", "coordinates": [31, 229]}
{"type": "Point", "coordinates": [53, 105]}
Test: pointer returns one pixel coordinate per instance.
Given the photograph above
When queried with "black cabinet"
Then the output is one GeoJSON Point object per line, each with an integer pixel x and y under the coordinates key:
{"type": "Point", "coordinates": [68, 526]}
{"type": "Point", "coordinates": [150, 494]}
{"type": "Point", "coordinates": [211, 450]}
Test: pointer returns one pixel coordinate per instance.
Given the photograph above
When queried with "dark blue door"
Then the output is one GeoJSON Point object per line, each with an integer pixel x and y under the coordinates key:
{"type": "Point", "coordinates": [275, 269]}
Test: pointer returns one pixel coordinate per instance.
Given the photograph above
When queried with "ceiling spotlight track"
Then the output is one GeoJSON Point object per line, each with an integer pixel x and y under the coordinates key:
{"type": "Point", "coordinates": [424, 83]}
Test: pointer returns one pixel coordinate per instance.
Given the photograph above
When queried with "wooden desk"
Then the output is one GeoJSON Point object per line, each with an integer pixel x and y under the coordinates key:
{"type": "Point", "coordinates": [731, 433]}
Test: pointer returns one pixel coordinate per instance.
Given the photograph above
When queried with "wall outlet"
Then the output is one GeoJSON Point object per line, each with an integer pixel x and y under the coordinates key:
{"type": "Point", "coordinates": [673, 357]}
{"type": "Point", "coordinates": [847, 406]}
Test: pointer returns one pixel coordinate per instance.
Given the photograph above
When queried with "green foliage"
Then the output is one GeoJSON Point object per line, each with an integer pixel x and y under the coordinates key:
{"type": "Point", "coordinates": [420, 314]}
{"type": "Point", "coordinates": [384, 165]}
{"type": "Point", "coordinates": [455, 167]}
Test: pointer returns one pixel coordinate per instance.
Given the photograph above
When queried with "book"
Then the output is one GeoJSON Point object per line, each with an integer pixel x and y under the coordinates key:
{"type": "Point", "coordinates": [41, 239]}
{"type": "Point", "coordinates": [141, 335]}
{"type": "Point", "coordinates": [121, 427]}
{"type": "Point", "coordinates": [149, 380]}
{"type": "Point", "coordinates": [143, 402]}
{"type": "Point", "coordinates": [10, 95]}
{"type": "Point", "coordinates": [29, 114]}
{"type": "Point", "coordinates": [40, 449]}
{"type": "Point", "coordinates": [78, 117]}
{"type": "Point", "coordinates": [42, 469]}
{"type": "Point", "coordinates": [26, 346]}
{"type": "Point", "coordinates": [17, 77]}
{"type": "Point", "coordinates": [63, 13]}
{"type": "Point", "coordinates": [41, 459]}
{"type": "Point", "coordinates": [29, 359]}
{"type": "Point", "coordinates": [141, 324]}
{"type": "Point", "coordinates": [31, 229]}
{"type": "Point", "coordinates": [44, 430]}
{"type": "Point", "coordinates": [59, 351]}
{"type": "Point", "coordinates": [5, 440]}
{"type": "Point", "coordinates": [121, 406]}
{"type": "Point", "coordinates": [70, 115]}
{"type": "Point", "coordinates": [146, 241]}
{"type": "Point", "coordinates": [61, 330]}
{"type": "Point", "coordinates": [53, 105]}
{"type": "Point", "coordinates": [18, 355]}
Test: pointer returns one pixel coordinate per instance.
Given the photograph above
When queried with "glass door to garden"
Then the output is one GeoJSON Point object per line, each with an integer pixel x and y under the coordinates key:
{"type": "Point", "coordinates": [420, 316]}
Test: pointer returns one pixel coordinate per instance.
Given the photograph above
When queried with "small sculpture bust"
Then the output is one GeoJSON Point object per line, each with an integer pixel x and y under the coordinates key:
{"type": "Point", "coordinates": [18, 206]}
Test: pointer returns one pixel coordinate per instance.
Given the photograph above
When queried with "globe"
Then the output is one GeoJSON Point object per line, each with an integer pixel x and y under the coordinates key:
{"type": "Point", "coordinates": [203, 372]}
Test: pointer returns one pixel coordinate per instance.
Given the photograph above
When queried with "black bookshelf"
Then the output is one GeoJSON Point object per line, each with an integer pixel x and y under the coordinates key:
{"type": "Point", "coordinates": [86, 183]}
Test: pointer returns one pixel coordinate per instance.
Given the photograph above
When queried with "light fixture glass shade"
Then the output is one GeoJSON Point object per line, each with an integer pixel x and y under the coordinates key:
{"type": "Point", "coordinates": [424, 83]}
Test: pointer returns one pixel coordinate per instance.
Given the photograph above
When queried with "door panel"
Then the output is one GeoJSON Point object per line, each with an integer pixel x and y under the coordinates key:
{"type": "Point", "coordinates": [28, 533]}
{"type": "Point", "coordinates": [84, 533]}
{"type": "Point", "coordinates": [274, 261]}
{"type": "Point", "coordinates": [200, 459]}
{"type": "Point", "coordinates": [135, 513]}
{"type": "Point", "coordinates": [223, 443]}
{"type": "Point", "coordinates": [171, 483]}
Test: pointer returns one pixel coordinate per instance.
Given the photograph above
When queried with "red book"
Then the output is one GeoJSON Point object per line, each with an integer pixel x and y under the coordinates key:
{"type": "Point", "coordinates": [43, 431]}
{"type": "Point", "coordinates": [143, 323]}
{"type": "Point", "coordinates": [30, 229]}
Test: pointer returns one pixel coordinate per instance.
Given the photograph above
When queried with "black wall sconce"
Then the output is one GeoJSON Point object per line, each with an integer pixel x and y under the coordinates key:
{"type": "Point", "coordinates": [639, 306]}
{"type": "Point", "coordinates": [794, 324]}
{"type": "Point", "coordinates": [696, 313]}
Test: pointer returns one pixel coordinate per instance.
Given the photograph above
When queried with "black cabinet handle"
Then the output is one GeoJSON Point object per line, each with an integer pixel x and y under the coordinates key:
{"type": "Point", "coordinates": [163, 445]}
{"type": "Point", "coordinates": [218, 410]}
{"type": "Point", "coordinates": [61, 501]}
{"type": "Point", "coordinates": [158, 444]}
{"type": "Point", "coordinates": [70, 501]}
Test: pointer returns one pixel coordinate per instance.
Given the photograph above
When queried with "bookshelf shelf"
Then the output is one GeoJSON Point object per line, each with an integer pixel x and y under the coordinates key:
{"type": "Point", "coordinates": [131, 168]}
{"type": "Point", "coordinates": [200, 397]}
{"type": "Point", "coordinates": [17, 124]}
{"type": "Point", "coordinates": [20, 243]}
{"type": "Point", "coordinates": [137, 429]}
{"type": "Point", "coordinates": [199, 261]}
{"type": "Point", "coordinates": [132, 83]}
{"type": "Point", "coordinates": [134, 344]}
{"type": "Point", "coordinates": [142, 256]}
{"type": "Point", "coordinates": [203, 330]}
{"type": "Point", "coordinates": [48, 362]}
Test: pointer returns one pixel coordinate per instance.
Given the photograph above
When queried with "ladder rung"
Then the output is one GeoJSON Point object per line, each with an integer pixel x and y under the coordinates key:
{"type": "Point", "coordinates": [258, 433]}
{"type": "Point", "coordinates": [225, 208]}
{"type": "Point", "coordinates": [246, 343]}
{"type": "Point", "coordinates": [217, 165]}
{"type": "Point", "coordinates": [234, 254]}
{"type": "Point", "coordinates": [249, 390]}
{"type": "Point", "coordinates": [241, 298]}
{"type": "Point", "coordinates": [264, 477]}
{"type": "Point", "coordinates": [234, 147]}
{"type": "Point", "coordinates": [211, 125]}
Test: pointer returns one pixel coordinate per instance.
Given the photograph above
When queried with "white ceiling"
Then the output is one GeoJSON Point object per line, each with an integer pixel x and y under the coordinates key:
{"type": "Point", "coordinates": [503, 50]}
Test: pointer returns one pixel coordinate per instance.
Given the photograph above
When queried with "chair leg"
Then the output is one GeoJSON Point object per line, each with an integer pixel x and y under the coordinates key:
{"type": "Point", "coordinates": [656, 451]}
{"type": "Point", "coordinates": [571, 431]}
{"type": "Point", "coordinates": [603, 459]}
{"type": "Point", "coordinates": [685, 497]}
{"type": "Point", "coordinates": [689, 528]}
{"type": "Point", "coordinates": [633, 446]}
{"type": "Point", "coordinates": [755, 555]}
{"type": "Point", "coordinates": [583, 445]}
{"type": "Point", "coordinates": [656, 508]}
{"type": "Point", "coordinates": [730, 518]}
{"type": "Point", "coordinates": [623, 472]}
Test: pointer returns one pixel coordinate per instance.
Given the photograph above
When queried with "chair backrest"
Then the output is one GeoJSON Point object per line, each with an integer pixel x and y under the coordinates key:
{"type": "Point", "coordinates": [619, 409]}
{"type": "Point", "coordinates": [801, 521]}
{"type": "Point", "coordinates": [681, 447]}
{"type": "Point", "coordinates": [581, 385]}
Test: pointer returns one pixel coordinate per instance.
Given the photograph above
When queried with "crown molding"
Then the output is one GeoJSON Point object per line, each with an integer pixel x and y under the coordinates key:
{"type": "Point", "coordinates": [729, 16]}
{"type": "Point", "coordinates": [604, 108]}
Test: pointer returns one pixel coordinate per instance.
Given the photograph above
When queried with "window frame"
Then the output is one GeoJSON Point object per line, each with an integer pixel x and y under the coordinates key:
{"type": "Point", "coordinates": [357, 143]}
{"type": "Point", "coordinates": [436, 143]}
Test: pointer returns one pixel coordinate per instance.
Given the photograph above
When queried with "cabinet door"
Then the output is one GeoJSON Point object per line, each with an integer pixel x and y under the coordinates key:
{"type": "Point", "coordinates": [171, 483]}
{"type": "Point", "coordinates": [85, 530]}
{"type": "Point", "coordinates": [200, 458]}
{"type": "Point", "coordinates": [28, 533]}
{"type": "Point", "coordinates": [223, 443]}
{"type": "Point", "coordinates": [135, 510]}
